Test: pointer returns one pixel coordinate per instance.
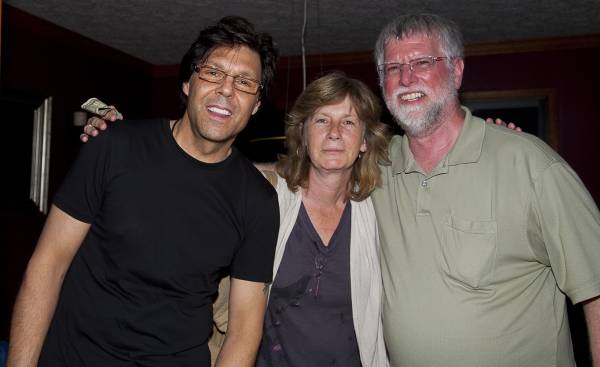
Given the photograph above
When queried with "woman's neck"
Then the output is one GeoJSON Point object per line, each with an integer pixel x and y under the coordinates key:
{"type": "Point", "coordinates": [327, 188]}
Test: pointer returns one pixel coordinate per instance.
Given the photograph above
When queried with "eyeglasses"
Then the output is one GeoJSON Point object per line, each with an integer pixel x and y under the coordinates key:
{"type": "Point", "coordinates": [416, 65]}
{"type": "Point", "coordinates": [215, 75]}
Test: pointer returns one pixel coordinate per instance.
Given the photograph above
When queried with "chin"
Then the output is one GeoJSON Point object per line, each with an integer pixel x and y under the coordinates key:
{"type": "Point", "coordinates": [417, 123]}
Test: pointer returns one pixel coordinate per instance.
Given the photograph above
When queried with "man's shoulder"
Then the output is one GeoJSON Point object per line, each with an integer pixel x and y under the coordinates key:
{"type": "Point", "coordinates": [506, 143]}
{"type": "Point", "coordinates": [137, 126]}
{"type": "Point", "coordinates": [395, 148]}
{"type": "Point", "coordinates": [128, 130]}
{"type": "Point", "coordinates": [395, 142]}
{"type": "Point", "coordinates": [255, 182]}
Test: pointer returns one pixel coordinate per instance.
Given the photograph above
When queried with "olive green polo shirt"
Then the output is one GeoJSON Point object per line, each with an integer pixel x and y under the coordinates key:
{"type": "Point", "coordinates": [478, 254]}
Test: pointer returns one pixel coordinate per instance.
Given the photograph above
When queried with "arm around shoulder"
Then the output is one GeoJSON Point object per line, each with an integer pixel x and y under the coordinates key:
{"type": "Point", "coordinates": [59, 241]}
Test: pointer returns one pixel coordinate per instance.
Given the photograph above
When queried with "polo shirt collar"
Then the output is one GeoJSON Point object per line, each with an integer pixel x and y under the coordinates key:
{"type": "Point", "coordinates": [466, 149]}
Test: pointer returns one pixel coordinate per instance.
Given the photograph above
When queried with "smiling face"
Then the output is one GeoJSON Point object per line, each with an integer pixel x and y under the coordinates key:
{"type": "Point", "coordinates": [418, 100]}
{"type": "Point", "coordinates": [217, 112]}
{"type": "Point", "coordinates": [334, 137]}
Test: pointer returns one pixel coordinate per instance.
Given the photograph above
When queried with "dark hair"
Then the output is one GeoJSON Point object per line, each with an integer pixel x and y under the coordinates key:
{"type": "Point", "coordinates": [327, 90]}
{"type": "Point", "coordinates": [230, 31]}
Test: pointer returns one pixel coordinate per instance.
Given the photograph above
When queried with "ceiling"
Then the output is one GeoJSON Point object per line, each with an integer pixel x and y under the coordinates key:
{"type": "Point", "coordinates": [160, 32]}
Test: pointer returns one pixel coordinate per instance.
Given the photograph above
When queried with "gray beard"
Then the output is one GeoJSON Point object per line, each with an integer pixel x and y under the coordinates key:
{"type": "Point", "coordinates": [420, 122]}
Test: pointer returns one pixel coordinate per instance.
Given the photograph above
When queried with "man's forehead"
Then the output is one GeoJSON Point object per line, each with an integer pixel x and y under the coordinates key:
{"type": "Point", "coordinates": [240, 59]}
{"type": "Point", "coordinates": [412, 44]}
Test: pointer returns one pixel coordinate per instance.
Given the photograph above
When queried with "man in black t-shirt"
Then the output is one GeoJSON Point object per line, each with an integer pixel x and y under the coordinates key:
{"type": "Point", "coordinates": [150, 217]}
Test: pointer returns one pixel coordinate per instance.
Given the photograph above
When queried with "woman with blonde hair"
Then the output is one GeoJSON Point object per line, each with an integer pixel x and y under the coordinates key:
{"type": "Point", "coordinates": [325, 300]}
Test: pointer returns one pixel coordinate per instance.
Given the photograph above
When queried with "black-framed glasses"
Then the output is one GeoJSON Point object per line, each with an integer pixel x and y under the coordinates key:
{"type": "Point", "coordinates": [215, 75]}
{"type": "Point", "coordinates": [421, 64]}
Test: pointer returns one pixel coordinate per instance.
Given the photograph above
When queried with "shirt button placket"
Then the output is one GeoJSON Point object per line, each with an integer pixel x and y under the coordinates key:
{"type": "Point", "coordinates": [423, 198]}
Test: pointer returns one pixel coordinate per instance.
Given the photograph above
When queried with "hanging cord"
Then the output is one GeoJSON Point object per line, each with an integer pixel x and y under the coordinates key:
{"type": "Point", "coordinates": [303, 50]}
{"type": "Point", "coordinates": [319, 37]}
{"type": "Point", "coordinates": [287, 77]}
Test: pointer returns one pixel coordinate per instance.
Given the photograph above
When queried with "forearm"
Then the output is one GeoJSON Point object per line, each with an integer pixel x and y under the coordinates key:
{"type": "Point", "coordinates": [591, 309]}
{"type": "Point", "coordinates": [240, 348]}
{"type": "Point", "coordinates": [247, 303]}
{"type": "Point", "coordinates": [32, 314]}
{"type": "Point", "coordinates": [41, 285]}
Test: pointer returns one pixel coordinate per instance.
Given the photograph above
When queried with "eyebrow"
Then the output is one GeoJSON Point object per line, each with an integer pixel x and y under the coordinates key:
{"type": "Point", "coordinates": [244, 73]}
{"type": "Point", "coordinates": [343, 116]}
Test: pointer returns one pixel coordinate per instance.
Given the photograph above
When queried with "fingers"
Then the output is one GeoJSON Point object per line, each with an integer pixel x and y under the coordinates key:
{"type": "Point", "coordinates": [497, 121]}
{"type": "Point", "coordinates": [91, 128]}
{"type": "Point", "coordinates": [514, 127]}
{"type": "Point", "coordinates": [94, 123]}
{"type": "Point", "coordinates": [501, 122]}
{"type": "Point", "coordinates": [112, 115]}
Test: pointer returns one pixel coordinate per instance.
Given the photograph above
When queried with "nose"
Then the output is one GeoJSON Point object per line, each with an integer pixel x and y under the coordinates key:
{"type": "Point", "coordinates": [407, 76]}
{"type": "Point", "coordinates": [226, 87]}
{"type": "Point", "coordinates": [334, 130]}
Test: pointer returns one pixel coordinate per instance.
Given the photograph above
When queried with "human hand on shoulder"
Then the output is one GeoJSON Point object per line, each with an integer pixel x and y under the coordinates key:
{"type": "Point", "coordinates": [96, 124]}
{"type": "Point", "coordinates": [501, 122]}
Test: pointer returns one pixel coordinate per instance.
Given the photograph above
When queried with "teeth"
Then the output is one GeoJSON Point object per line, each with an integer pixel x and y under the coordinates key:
{"type": "Point", "coordinates": [412, 96]}
{"type": "Point", "coordinates": [219, 111]}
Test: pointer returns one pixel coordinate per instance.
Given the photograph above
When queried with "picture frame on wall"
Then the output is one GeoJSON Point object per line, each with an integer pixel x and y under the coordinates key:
{"type": "Point", "coordinates": [533, 110]}
{"type": "Point", "coordinates": [40, 155]}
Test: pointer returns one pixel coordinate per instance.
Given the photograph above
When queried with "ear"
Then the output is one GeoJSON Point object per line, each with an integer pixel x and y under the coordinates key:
{"type": "Point", "coordinates": [185, 87]}
{"type": "Point", "coordinates": [459, 67]}
{"type": "Point", "coordinates": [363, 146]}
{"type": "Point", "coordinates": [256, 106]}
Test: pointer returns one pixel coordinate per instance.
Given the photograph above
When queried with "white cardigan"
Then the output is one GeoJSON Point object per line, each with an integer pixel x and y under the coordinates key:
{"type": "Point", "coordinates": [365, 273]}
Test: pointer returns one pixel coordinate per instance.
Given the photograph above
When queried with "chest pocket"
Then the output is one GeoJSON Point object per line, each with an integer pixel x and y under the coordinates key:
{"type": "Point", "coordinates": [470, 251]}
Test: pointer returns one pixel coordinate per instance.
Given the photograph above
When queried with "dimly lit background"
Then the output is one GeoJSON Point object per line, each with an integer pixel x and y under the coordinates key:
{"type": "Point", "coordinates": [534, 63]}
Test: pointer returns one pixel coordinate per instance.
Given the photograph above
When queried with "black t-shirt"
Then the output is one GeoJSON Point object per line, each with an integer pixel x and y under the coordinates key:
{"type": "Point", "coordinates": [165, 228]}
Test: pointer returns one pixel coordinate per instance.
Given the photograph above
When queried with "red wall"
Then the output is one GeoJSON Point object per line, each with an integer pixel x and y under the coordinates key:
{"type": "Point", "coordinates": [573, 74]}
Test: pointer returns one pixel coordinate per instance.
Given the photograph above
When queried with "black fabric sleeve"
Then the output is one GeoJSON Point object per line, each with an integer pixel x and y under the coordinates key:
{"type": "Point", "coordinates": [254, 259]}
{"type": "Point", "coordinates": [82, 191]}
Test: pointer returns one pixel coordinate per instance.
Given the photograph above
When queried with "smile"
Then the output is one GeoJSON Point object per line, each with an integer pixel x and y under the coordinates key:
{"type": "Point", "coordinates": [412, 96]}
{"type": "Point", "coordinates": [219, 110]}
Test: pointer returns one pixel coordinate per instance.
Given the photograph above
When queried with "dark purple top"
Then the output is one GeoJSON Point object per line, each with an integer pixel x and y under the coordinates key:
{"type": "Point", "coordinates": [309, 316]}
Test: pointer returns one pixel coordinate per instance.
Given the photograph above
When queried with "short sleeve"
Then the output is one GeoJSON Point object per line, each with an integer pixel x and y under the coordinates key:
{"type": "Point", "coordinates": [82, 191]}
{"type": "Point", "coordinates": [570, 229]}
{"type": "Point", "coordinates": [254, 259]}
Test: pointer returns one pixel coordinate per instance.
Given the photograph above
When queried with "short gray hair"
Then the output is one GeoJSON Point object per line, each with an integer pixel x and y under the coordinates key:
{"type": "Point", "coordinates": [445, 30]}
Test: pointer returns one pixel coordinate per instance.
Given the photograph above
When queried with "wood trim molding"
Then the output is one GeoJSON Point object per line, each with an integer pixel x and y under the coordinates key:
{"type": "Point", "coordinates": [344, 58]}
{"type": "Point", "coordinates": [533, 45]}
{"type": "Point", "coordinates": [475, 49]}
